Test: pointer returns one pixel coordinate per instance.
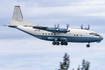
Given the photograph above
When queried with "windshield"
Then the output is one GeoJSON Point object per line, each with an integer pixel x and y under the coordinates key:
{"type": "Point", "coordinates": [94, 34]}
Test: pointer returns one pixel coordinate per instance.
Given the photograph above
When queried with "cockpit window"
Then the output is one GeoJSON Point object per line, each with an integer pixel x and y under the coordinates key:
{"type": "Point", "coordinates": [94, 34]}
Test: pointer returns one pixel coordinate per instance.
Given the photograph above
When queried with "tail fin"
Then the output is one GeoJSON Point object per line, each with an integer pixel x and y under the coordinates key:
{"type": "Point", "coordinates": [18, 19]}
{"type": "Point", "coordinates": [17, 15]}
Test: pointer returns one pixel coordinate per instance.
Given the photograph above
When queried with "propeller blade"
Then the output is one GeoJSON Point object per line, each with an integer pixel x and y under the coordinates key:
{"type": "Point", "coordinates": [55, 28]}
{"type": "Point", "coordinates": [67, 26]}
{"type": "Point", "coordinates": [58, 27]}
{"type": "Point", "coordinates": [81, 26]}
{"type": "Point", "coordinates": [88, 27]}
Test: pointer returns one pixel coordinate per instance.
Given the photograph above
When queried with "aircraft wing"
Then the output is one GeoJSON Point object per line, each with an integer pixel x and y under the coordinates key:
{"type": "Point", "coordinates": [40, 27]}
{"type": "Point", "coordinates": [52, 29]}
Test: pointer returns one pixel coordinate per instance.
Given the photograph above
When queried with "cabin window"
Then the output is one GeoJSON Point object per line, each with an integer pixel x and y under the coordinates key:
{"type": "Point", "coordinates": [74, 35]}
{"type": "Point", "coordinates": [51, 33]}
{"type": "Point", "coordinates": [77, 35]}
{"type": "Point", "coordinates": [46, 33]}
{"type": "Point", "coordinates": [81, 35]}
{"type": "Point", "coordinates": [43, 33]}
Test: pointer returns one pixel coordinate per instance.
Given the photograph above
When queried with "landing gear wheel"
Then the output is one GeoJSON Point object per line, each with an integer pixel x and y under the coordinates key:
{"type": "Point", "coordinates": [53, 43]}
{"type": "Point", "coordinates": [57, 43]}
{"type": "Point", "coordinates": [66, 43]}
{"type": "Point", "coordinates": [88, 45]}
{"type": "Point", "coordinates": [62, 43]}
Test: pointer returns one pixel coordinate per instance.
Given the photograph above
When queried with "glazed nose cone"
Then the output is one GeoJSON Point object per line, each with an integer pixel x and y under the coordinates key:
{"type": "Point", "coordinates": [101, 37]}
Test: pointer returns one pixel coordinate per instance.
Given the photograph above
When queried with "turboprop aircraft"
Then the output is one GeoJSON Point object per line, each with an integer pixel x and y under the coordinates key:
{"type": "Point", "coordinates": [56, 34]}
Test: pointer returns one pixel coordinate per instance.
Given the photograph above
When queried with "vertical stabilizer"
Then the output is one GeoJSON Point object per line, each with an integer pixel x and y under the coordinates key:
{"type": "Point", "coordinates": [18, 19]}
{"type": "Point", "coordinates": [17, 15]}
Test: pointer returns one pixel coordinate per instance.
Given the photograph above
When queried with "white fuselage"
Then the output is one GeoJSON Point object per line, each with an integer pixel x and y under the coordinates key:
{"type": "Point", "coordinates": [75, 35]}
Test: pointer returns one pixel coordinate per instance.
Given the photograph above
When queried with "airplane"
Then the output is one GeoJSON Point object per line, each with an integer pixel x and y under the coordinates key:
{"type": "Point", "coordinates": [56, 34]}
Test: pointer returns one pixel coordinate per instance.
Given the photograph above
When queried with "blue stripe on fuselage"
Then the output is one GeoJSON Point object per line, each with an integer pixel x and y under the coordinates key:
{"type": "Point", "coordinates": [71, 38]}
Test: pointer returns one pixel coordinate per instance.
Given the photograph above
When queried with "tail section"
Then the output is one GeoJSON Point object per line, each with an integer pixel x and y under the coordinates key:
{"type": "Point", "coordinates": [17, 15]}
{"type": "Point", "coordinates": [18, 20]}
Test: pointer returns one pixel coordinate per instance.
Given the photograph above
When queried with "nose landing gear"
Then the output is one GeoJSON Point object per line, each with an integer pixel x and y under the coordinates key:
{"type": "Point", "coordinates": [88, 45]}
{"type": "Point", "coordinates": [65, 43]}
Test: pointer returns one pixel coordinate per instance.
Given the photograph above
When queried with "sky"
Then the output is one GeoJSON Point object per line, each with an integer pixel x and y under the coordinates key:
{"type": "Point", "coordinates": [20, 51]}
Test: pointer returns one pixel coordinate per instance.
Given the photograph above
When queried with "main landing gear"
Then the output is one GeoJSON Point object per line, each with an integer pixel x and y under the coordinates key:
{"type": "Point", "coordinates": [65, 43]}
{"type": "Point", "coordinates": [88, 45]}
{"type": "Point", "coordinates": [57, 43]}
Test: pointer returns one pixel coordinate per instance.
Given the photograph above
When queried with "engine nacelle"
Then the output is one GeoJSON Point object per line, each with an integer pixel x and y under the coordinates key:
{"type": "Point", "coordinates": [62, 30]}
{"type": "Point", "coordinates": [51, 29]}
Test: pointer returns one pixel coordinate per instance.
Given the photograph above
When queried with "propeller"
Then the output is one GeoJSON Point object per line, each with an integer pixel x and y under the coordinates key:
{"type": "Point", "coordinates": [81, 26]}
{"type": "Point", "coordinates": [85, 28]}
{"type": "Point", "coordinates": [67, 28]}
{"type": "Point", "coordinates": [58, 29]}
{"type": "Point", "coordinates": [88, 27]}
{"type": "Point", "coordinates": [55, 28]}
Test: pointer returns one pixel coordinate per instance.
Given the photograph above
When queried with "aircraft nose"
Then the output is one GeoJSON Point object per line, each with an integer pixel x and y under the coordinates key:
{"type": "Point", "coordinates": [101, 37]}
